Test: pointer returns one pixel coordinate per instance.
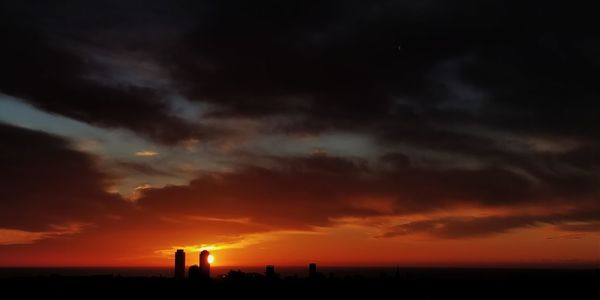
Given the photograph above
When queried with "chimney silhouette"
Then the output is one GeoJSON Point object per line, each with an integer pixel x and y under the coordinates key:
{"type": "Point", "coordinates": [204, 264]}
{"type": "Point", "coordinates": [179, 264]}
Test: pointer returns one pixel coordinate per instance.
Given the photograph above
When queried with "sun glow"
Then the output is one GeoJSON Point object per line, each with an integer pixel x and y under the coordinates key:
{"type": "Point", "coordinates": [211, 259]}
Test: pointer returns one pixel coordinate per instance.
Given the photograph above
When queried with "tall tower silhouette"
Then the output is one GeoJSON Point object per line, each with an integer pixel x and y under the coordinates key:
{"type": "Point", "coordinates": [180, 264]}
{"type": "Point", "coordinates": [204, 264]}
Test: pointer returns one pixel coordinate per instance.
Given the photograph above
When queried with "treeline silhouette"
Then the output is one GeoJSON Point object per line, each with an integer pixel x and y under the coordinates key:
{"type": "Point", "coordinates": [468, 284]}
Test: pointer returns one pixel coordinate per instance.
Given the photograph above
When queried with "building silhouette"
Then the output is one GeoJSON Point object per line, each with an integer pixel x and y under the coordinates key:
{"type": "Point", "coordinates": [204, 264]}
{"type": "Point", "coordinates": [312, 270]}
{"type": "Point", "coordinates": [194, 272]}
{"type": "Point", "coordinates": [270, 272]}
{"type": "Point", "coordinates": [180, 264]}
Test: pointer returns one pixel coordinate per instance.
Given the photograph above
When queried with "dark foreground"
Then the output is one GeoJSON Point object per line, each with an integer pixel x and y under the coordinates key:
{"type": "Point", "coordinates": [484, 284]}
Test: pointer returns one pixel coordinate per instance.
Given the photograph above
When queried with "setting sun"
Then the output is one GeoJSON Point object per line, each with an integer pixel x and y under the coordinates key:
{"type": "Point", "coordinates": [211, 259]}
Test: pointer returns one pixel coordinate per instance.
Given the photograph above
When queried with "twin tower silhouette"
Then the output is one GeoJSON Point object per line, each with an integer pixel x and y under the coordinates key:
{"type": "Point", "coordinates": [203, 271]}
{"type": "Point", "coordinates": [195, 272]}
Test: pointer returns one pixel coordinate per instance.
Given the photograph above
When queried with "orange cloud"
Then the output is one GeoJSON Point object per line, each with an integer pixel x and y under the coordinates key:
{"type": "Point", "coordinates": [146, 153]}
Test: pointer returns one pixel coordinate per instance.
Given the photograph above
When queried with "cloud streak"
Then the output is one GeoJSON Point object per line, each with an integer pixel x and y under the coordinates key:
{"type": "Point", "coordinates": [146, 153]}
{"type": "Point", "coordinates": [21, 237]}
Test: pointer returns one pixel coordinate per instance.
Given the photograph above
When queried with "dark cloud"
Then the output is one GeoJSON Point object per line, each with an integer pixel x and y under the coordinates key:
{"type": "Point", "coordinates": [582, 227]}
{"type": "Point", "coordinates": [45, 182]}
{"type": "Point", "coordinates": [469, 227]}
{"type": "Point", "coordinates": [296, 192]}
{"type": "Point", "coordinates": [323, 65]}
{"type": "Point", "coordinates": [475, 80]}
{"type": "Point", "coordinates": [52, 77]}
{"type": "Point", "coordinates": [142, 168]}
{"type": "Point", "coordinates": [509, 180]}
{"type": "Point", "coordinates": [462, 227]}
{"type": "Point", "coordinates": [337, 66]}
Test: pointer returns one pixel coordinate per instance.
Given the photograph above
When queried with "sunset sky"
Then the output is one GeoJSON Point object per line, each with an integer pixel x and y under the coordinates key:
{"type": "Point", "coordinates": [417, 133]}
